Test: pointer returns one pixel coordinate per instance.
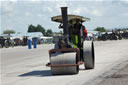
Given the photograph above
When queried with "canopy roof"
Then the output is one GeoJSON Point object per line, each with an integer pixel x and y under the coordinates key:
{"type": "Point", "coordinates": [70, 17]}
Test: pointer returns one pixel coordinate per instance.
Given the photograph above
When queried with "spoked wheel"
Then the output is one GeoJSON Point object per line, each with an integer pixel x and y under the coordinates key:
{"type": "Point", "coordinates": [63, 58]}
{"type": "Point", "coordinates": [88, 54]}
{"type": "Point", "coordinates": [6, 45]}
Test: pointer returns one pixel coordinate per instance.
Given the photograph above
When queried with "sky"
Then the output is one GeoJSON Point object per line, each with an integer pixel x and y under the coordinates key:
{"type": "Point", "coordinates": [19, 14]}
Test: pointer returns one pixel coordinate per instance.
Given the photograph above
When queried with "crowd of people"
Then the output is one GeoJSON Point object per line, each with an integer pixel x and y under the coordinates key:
{"type": "Point", "coordinates": [7, 42]}
{"type": "Point", "coordinates": [115, 35]}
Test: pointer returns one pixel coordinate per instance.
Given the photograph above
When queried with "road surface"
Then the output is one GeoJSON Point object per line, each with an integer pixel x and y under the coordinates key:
{"type": "Point", "coordinates": [21, 66]}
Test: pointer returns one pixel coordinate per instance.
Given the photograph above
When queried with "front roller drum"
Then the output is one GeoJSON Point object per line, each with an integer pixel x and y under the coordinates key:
{"type": "Point", "coordinates": [63, 58]}
{"type": "Point", "coordinates": [88, 54]}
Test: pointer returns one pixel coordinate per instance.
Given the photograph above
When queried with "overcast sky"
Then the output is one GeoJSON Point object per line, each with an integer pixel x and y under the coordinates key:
{"type": "Point", "coordinates": [18, 14]}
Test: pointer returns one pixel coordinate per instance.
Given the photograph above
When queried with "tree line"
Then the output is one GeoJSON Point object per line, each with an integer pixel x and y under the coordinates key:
{"type": "Point", "coordinates": [32, 28]}
{"type": "Point", "coordinates": [39, 28]}
{"type": "Point", "coordinates": [49, 32]}
{"type": "Point", "coordinates": [103, 29]}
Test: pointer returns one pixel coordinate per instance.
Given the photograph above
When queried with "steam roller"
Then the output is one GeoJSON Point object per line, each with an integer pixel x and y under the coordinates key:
{"type": "Point", "coordinates": [71, 49]}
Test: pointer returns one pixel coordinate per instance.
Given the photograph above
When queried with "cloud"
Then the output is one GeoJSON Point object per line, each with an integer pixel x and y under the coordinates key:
{"type": "Point", "coordinates": [61, 4]}
{"type": "Point", "coordinates": [97, 13]}
{"type": "Point", "coordinates": [24, 12]}
{"type": "Point", "coordinates": [13, 0]}
{"type": "Point", "coordinates": [77, 11]}
{"type": "Point", "coordinates": [46, 9]}
{"type": "Point", "coordinates": [7, 7]}
{"type": "Point", "coordinates": [86, 10]}
{"type": "Point", "coordinates": [124, 14]}
{"type": "Point", "coordinates": [124, 2]}
{"type": "Point", "coordinates": [49, 9]}
{"type": "Point", "coordinates": [35, 1]}
{"type": "Point", "coordinates": [39, 15]}
{"type": "Point", "coordinates": [32, 2]}
{"type": "Point", "coordinates": [42, 17]}
{"type": "Point", "coordinates": [27, 14]}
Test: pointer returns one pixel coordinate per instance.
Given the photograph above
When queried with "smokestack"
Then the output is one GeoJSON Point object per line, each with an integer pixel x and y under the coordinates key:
{"type": "Point", "coordinates": [64, 20]}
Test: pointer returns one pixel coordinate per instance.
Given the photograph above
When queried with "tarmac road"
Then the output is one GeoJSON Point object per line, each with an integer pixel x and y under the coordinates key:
{"type": "Point", "coordinates": [21, 66]}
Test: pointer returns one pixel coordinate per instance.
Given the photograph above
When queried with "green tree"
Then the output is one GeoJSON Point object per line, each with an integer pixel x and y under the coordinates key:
{"type": "Point", "coordinates": [39, 28]}
{"type": "Point", "coordinates": [100, 29]}
{"type": "Point", "coordinates": [9, 32]}
{"type": "Point", "coordinates": [31, 28]}
{"type": "Point", "coordinates": [49, 32]}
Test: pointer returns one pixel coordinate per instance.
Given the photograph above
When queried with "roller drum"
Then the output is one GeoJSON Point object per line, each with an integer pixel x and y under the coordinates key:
{"type": "Point", "coordinates": [64, 58]}
{"type": "Point", "coordinates": [88, 54]}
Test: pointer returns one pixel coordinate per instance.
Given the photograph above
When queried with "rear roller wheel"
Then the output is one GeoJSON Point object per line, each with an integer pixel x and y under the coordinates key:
{"type": "Point", "coordinates": [88, 54]}
{"type": "Point", "coordinates": [64, 58]}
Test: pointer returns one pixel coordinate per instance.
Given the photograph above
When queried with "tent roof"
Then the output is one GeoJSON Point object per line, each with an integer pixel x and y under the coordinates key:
{"type": "Point", "coordinates": [70, 17]}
